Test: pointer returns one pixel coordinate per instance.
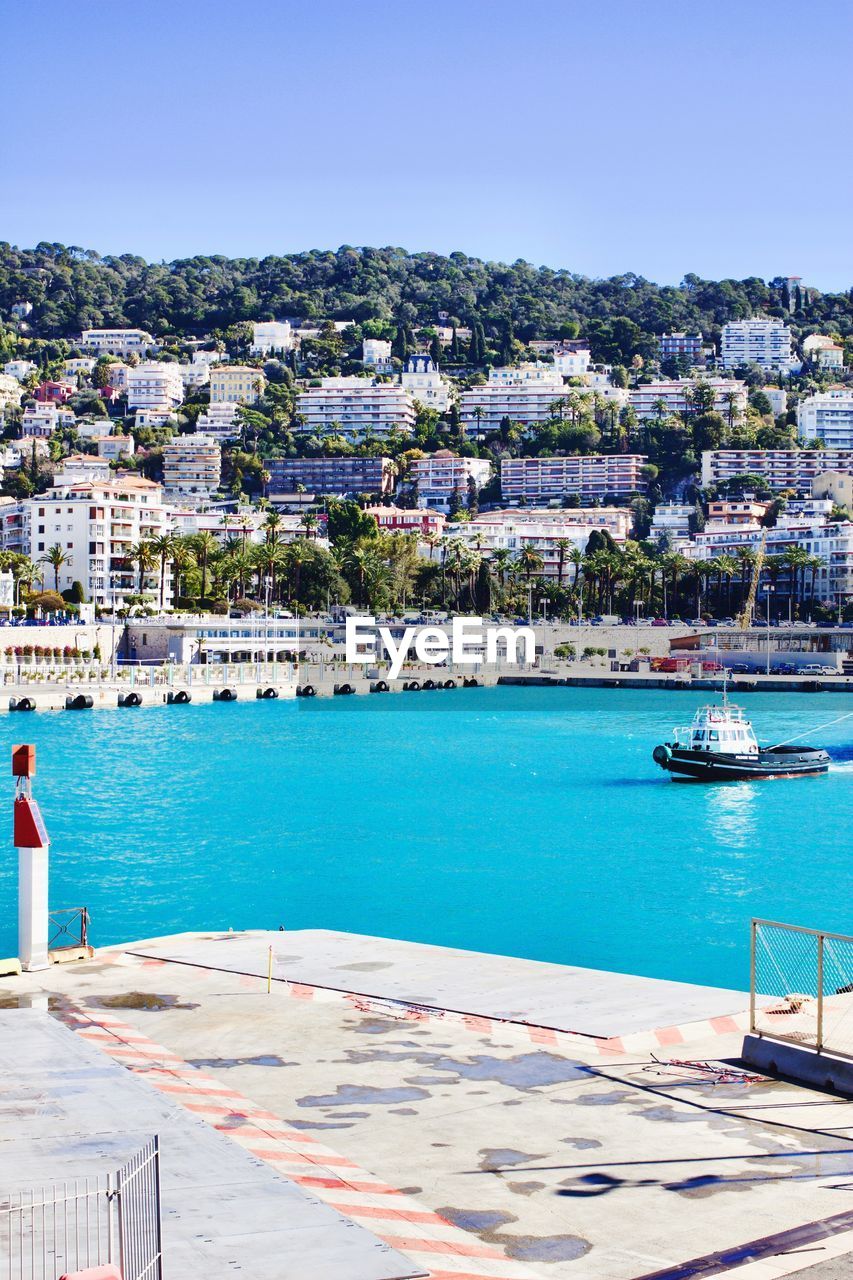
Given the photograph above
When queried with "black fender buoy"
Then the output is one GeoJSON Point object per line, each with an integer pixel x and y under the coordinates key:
{"type": "Point", "coordinates": [661, 754]}
{"type": "Point", "coordinates": [343, 689]}
{"type": "Point", "coordinates": [21, 704]}
{"type": "Point", "coordinates": [79, 702]}
{"type": "Point", "coordinates": [267, 693]}
{"type": "Point", "coordinates": [225, 695]}
{"type": "Point", "coordinates": [471, 683]}
{"type": "Point", "coordinates": [182, 697]}
{"type": "Point", "coordinates": [379, 687]}
{"type": "Point", "coordinates": [450, 684]}
{"type": "Point", "coordinates": [131, 699]}
{"type": "Point", "coordinates": [308, 691]}
{"type": "Point", "coordinates": [412, 686]}
{"type": "Point", "coordinates": [429, 684]}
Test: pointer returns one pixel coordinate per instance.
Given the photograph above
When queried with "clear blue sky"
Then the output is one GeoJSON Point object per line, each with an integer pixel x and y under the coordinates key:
{"type": "Point", "coordinates": [659, 137]}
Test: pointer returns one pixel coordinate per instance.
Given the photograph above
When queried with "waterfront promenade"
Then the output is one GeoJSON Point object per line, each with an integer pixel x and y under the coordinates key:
{"type": "Point", "coordinates": [606, 1131]}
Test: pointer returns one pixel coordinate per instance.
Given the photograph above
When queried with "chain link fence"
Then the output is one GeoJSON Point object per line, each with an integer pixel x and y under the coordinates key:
{"type": "Point", "coordinates": [808, 975]}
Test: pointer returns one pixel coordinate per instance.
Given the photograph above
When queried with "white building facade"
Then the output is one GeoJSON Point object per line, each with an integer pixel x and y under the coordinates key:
{"type": "Point", "coordinates": [355, 408]}
{"type": "Point", "coordinates": [590, 476]}
{"type": "Point", "coordinates": [828, 416]}
{"type": "Point", "coordinates": [766, 343]}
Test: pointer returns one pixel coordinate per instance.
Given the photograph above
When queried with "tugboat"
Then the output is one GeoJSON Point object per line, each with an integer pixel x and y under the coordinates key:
{"type": "Point", "coordinates": [720, 746]}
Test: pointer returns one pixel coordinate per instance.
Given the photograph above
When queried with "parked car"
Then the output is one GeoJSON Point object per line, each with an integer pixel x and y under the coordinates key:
{"type": "Point", "coordinates": [659, 622]}
{"type": "Point", "coordinates": [817, 669]}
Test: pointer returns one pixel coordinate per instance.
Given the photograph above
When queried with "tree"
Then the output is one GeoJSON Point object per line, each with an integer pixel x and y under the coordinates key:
{"type": "Point", "coordinates": [57, 559]}
{"type": "Point", "coordinates": [143, 556]}
{"type": "Point", "coordinates": [205, 547]}
{"type": "Point", "coordinates": [162, 547]}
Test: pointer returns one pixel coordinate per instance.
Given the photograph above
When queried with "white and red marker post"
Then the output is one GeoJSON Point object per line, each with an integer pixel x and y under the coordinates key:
{"type": "Point", "coordinates": [33, 846]}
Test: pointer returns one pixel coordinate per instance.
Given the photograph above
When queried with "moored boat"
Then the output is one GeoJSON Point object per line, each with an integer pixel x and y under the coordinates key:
{"type": "Point", "coordinates": [720, 746]}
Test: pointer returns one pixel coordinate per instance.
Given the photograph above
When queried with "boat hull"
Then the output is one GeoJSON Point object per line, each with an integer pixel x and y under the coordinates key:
{"type": "Point", "coordinates": [686, 765]}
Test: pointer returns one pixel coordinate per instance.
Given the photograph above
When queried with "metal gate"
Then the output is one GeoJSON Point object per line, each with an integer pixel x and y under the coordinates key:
{"type": "Point", "coordinates": [86, 1222]}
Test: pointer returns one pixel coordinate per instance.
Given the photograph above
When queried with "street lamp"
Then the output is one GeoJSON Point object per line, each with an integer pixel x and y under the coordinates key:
{"type": "Point", "coordinates": [768, 591]}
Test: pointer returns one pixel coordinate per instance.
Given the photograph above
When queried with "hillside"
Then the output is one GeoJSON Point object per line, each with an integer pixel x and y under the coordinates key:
{"type": "Point", "coordinates": [72, 289]}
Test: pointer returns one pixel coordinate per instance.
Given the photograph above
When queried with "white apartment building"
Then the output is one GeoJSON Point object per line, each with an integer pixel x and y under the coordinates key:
{"type": "Point", "coordinates": [828, 416]}
{"type": "Point", "coordinates": [546, 532]}
{"type": "Point", "coordinates": [675, 394]}
{"type": "Point", "coordinates": [271, 335]}
{"type": "Point", "coordinates": [41, 420]}
{"type": "Point", "coordinates": [112, 448]}
{"type": "Point", "coordinates": [77, 467]}
{"type": "Point", "coordinates": [592, 476]}
{"type": "Point", "coordinates": [117, 375]}
{"type": "Point", "coordinates": [376, 353]}
{"type": "Point", "coordinates": [155, 417]}
{"type": "Point", "coordinates": [10, 391]}
{"type": "Point", "coordinates": [572, 363]}
{"type": "Point", "coordinates": [194, 375]}
{"type": "Point", "coordinates": [825, 351]}
{"type": "Point", "coordinates": [545, 375]}
{"type": "Point", "coordinates": [11, 525]}
{"type": "Point", "coordinates": [425, 384]}
{"type": "Point", "coordinates": [778, 399]}
{"type": "Point", "coordinates": [781, 468]}
{"type": "Point", "coordinates": [19, 369]}
{"type": "Point", "coordinates": [192, 464]}
{"type": "Point", "coordinates": [766, 343]}
{"type": "Point", "coordinates": [77, 365]}
{"type": "Point", "coordinates": [219, 422]}
{"type": "Point", "coordinates": [355, 407]}
{"type": "Point", "coordinates": [671, 522]}
{"type": "Point", "coordinates": [97, 523]}
{"type": "Point", "coordinates": [831, 542]}
{"type": "Point", "coordinates": [117, 342]}
{"type": "Point", "coordinates": [439, 474]}
{"type": "Point", "coordinates": [236, 384]}
{"type": "Point", "coordinates": [835, 485]}
{"type": "Point", "coordinates": [481, 409]}
{"type": "Point", "coordinates": [154, 385]}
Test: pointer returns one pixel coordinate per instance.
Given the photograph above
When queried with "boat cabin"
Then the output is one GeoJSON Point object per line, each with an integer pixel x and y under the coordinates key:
{"type": "Point", "coordinates": [721, 729]}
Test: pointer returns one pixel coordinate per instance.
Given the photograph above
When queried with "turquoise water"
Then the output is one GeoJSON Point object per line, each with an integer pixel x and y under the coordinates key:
{"type": "Point", "coordinates": [531, 822]}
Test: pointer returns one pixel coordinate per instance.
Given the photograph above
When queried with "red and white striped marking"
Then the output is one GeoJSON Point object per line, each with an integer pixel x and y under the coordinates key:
{"type": "Point", "coordinates": [442, 1250]}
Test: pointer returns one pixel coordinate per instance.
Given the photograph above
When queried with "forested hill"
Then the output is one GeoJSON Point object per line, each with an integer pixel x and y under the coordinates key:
{"type": "Point", "coordinates": [72, 289]}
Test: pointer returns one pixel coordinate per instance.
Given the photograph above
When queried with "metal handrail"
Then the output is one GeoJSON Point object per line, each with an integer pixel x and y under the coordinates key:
{"type": "Point", "coordinates": [63, 928]}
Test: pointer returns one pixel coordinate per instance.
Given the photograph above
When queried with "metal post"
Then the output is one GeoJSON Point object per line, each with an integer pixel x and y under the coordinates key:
{"type": "Point", "coordinates": [753, 927]}
{"type": "Point", "coordinates": [819, 992]}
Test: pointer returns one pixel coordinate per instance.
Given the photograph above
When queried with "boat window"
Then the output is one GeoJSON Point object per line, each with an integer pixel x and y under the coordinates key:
{"type": "Point", "coordinates": [713, 735]}
{"type": "Point", "coordinates": [699, 735]}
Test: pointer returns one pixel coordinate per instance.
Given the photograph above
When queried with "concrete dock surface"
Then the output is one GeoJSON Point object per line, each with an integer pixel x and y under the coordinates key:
{"type": "Point", "coordinates": [471, 1145]}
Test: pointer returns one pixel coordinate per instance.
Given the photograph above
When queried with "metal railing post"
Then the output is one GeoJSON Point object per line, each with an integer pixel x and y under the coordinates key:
{"type": "Point", "coordinates": [753, 926]}
{"type": "Point", "coordinates": [819, 992]}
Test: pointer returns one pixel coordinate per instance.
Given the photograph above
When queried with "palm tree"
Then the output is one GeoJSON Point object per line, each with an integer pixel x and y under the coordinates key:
{"type": "Point", "coordinates": [309, 524]}
{"type": "Point", "coordinates": [183, 558]}
{"type": "Point", "coordinates": [162, 547]}
{"type": "Point", "coordinates": [530, 561]}
{"type": "Point", "coordinates": [205, 547]}
{"type": "Point", "coordinates": [796, 559]}
{"type": "Point", "coordinates": [576, 561]}
{"type": "Point", "coordinates": [142, 555]}
{"type": "Point", "coordinates": [562, 545]}
{"type": "Point", "coordinates": [56, 558]}
{"type": "Point", "coordinates": [272, 525]}
{"type": "Point", "coordinates": [25, 573]}
{"type": "Point", "coordinates": [727, 567]}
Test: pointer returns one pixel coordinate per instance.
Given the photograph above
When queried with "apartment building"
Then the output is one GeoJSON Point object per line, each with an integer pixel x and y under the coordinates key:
{"type": "Point", "coordinates": [730, 396]}
{"type": "Point", "coordinates": [376, 353]}
{"type": "Point", "coordinates": [19, 369]}
{"type": "Point", "coordinates": [117, 342]}
{"type": "Point", "coordinates": [77, 467]}
{"type": "Point", "coordinates": [684, 346]}
{"type": "Point", "coordinates": [154, 385]}
{"type": "Point", "coordinates": [572, 361]}
{"type": "Point", "coordinates": [97, 523]}
{"type": "Point", "coordinates": [742, 511]}
{"type": "Point", "coordinates": [831, 542]}
{"type": "Point", "coordinates": [553, 535]}
{"type": "Point", "coordinates": [837, 486]}
{"type": "Point", "coordinates": [594, 476]}
{"type": "Point", "coordinates": [482, 409]}
{"type": "Point", "coordinates": [766, 343]}
{"type": "Point", "coordinates": [781, 468]}
{"type": "Point", "coordinates": [522, 375]}
{"type": "Point", "coordinates": [77, 365]}
{"type": "Point", "coordinates": [423, 382]}
{"type": "Point", "coordinates": [12, 525]}
{"type": "Point", "coordinates": [355, 408]}
{"type": "Point", "coordinates": [113, 448]}
{"type": "Point", "coordinates": [331, 475]}
{"type": "Point", "coordinates": [828, 416]}
{"type": "Point", "coordinates": [10, 391]}
{"type": "Point", "coordinates": [270, 336]}
{"type": "Point", "coordinates": [220, 422]}
{"type": "Point", "coordinates": [192, 464]}
{"type": "Point", "coordinates": [824, 351]}
{"type": "Point", "coordinates": [439, 474]}
{"type": "Point", "coordinates": [401, 520]}
{"type": "Point", "coordinates": [55, 392]}
{"type": "Point", "coordinates": [671, 522]}
{"type": "Point", "coordinates": [117, 373]}
{"type": "Point", "coordinates": [41, 420]}
{"type": "Point", "coordinates": [236, 384]}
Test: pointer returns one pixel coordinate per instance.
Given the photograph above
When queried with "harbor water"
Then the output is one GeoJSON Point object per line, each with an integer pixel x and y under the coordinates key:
{"type": "Point", "coordinates": [525, 821]}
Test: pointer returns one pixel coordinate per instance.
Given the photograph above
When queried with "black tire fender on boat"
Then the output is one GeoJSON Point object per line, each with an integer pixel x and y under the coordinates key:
{"type": "Point", "coordinates": [661, 755]}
